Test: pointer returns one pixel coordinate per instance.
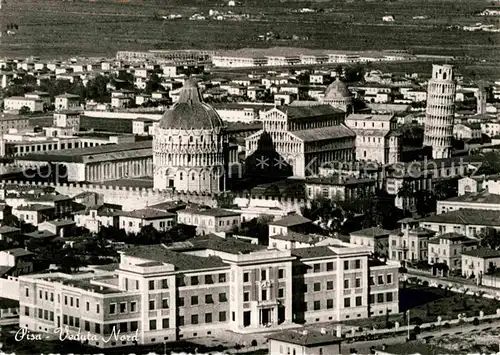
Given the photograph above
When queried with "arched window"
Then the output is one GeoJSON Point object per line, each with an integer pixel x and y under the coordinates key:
{"type": "Point", "coordinates": [444, 76]}
{"type": "Point", "coordinates": [181, 176]}
{"type": "Point", "coordinates": [193, 177]}
{"type": "Point", "coordinates": [191, 139]}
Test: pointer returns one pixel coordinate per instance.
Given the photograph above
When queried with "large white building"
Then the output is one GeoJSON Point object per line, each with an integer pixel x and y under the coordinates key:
{"type": "Point", "coordinates": [208, 285]}
{"type": "Point", "coordinates": [189, 144]}
{"type": "Point", "coordinates": [16, 103]}
{"type": "Point", "coordinates": [305, 138]}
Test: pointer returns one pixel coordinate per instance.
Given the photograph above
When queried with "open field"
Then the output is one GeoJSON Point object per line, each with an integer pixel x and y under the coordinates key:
{"type": "Point", "coordinates": [56, 28]}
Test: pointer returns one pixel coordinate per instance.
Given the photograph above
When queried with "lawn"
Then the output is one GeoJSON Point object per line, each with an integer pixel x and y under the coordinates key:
{"type": "Point", "coordinates": [100, 28]}
{"type": "Point", "coordinates": [427, 303]}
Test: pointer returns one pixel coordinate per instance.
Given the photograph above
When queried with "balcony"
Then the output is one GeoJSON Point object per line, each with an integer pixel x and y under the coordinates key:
{"type": "Point", "coordinates": [267, 303]}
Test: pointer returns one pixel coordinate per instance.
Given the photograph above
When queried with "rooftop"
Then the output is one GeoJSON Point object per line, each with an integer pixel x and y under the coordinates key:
{"type": "Point", "coordinates": [18, 252]}
{"type": "Point", "coordinates": [324, 133]}
{"type": "Point", "coordinates": [466, 216]}
{"type": "Point", "coordinates": [298, 112]}
{"type": "Point", "coordinates": [213, 242]}
{"type": "Point", "coordinates": [477, 197]}
{"type": "Point", "coordinates": [181, 261]}
{"type": "Point", "coordinates": [299, 237]}
{"type": "Point", "coordinates": [313, 252]}
{"type": "Point", "coordinates": [214, 212]}
{"type": "Point", "coordinates": [483, 253]}
{"type": "Point", "coordinates": [416, 347]}
{"type": "Point", "coordinates": [372, 232]}
{"type": "Point", "coordinates": [92, 154]}
{"type": "Point", "coordinates": [370, 117]}
{"type": "Point", "coordinates": [290, 221]}
{"type": "Point", "coordinates": [305, 338]}
{"type": "Point", "coordinates": [339, 180]}
{"type": "Point", "coordinates": [147, 213]}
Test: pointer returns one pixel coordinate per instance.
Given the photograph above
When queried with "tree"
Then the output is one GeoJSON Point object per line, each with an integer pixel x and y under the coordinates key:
{"type": "Point", "coordinates": [489, 238]}
{"type": "Point", "coordinates": [257, 228]}
{"type": "Point", "coordinates": [25, 110]}
{"type": "Point", "coordinates": [97, 89]}
{"type": "Point", "coordinates": [149, 235]}
{"type": "Point", "coordinates": [153, 84]}
{"type": "Point", "coordinates": [225, 200]}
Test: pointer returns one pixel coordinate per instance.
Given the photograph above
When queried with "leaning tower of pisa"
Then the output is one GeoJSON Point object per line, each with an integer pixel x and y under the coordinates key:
{"type": "Point", "coordinates": [440, 111]}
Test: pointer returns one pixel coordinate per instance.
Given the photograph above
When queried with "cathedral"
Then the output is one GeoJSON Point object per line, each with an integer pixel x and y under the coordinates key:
{"type": "Point", "coordinates": [189, 145]}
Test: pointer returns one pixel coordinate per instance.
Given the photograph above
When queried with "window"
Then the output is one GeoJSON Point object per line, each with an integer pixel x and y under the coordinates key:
{"type": "Point", "coordinates": [346, 283]}
{"type": "Point", "coordinates": [26, 311]}
{"type": "Point", "coordinates": [380, 298]}
{"type": "Point", "coordinates": [380, 280]}
{"type": "Point", "coordinates": [133, 306]}
{"type": "Point", "coordinates": [246, 296]}
{"type": "Point", "coordinates": [164, 283]}
{"type": "Point", "coordinates": [329, 303]}
{"type": "Point", "coordinates": [97, 308]}
{"type": "Point", "coordinates": [181, 320]}
{"type": "Point", "coordinates": [86, 326]}
{"type": "Point", "coordinates": [123, 327]}
{"type": "Point", "coordinates": [134, 326]}
{"type": "Point", "coordinates": [263, 275]}
{"type": "Point", "coordinates": [26, 292]}
{"type": "Point", "coordinates": [317, 305]}
{"type": "Point", "coordinates": [40, 294]}
{"type": "Point", "coordinates": [329, 285]}
{"type": "Point", "coordinates": [97, 328]}
{"type": "Point", "coordinates": [372, 281]}
{"type": "Point", "coordinates": [358, 301]}
{"type": "Point", "coordinates": [208, 317]}
{"type": "Point", "coordinates": [316, 268]}
{"type": "Point", "coordinates": [180, 302]}
{"type": "Point", "coordinates": [222, 278]}
{"type": "Point", "coordinates": [152, 305]}
{"type": "Point", "coordinates": [357, 283]}
{"type": "Point", "coordinates": [165, 324]}
{"type": "Point", "coordinates": [222, 316]}
{"type": "Point", "coordinates": [194, 300]}
{"type": "Point", "coordinates": [347, 302]}
{"type": "Point", "coordinates": [194, 280]}
{"type": "Point", "coordinates": [123, 307]}
{"type": "Point", "coordinates": [46, 296]}
{"type": "Point", "coordinates": [389, 278]}
{"type": "Point", "coordinates": [264, 295]}
{"type": "Point", "coordinates": [65, 300]}
{"type": "Point", "coordinates": [372, 299]}
{"type": "Point", "coordinates": [388, 296]}
{"type": "Point", "coordinates": [164, 303]}
{"type": "Point", "coordinates": [71, 301]}
{"type": "Point", "coordinates": [222, 297]}
{"type": "Point", "coordinates": [209, 299]}
{"type": "Point", "coordinates": [77, 303]}
{"type": "Point", "coordinates": [346, 265]}
{"type": "Point", "coordinates": [281, 273]}
{"type": "Point", "coordinates": [246, 277]}
{"type": "Point", "coordinates": [152, 324]}
{"type": "Point", "coordinates": [329, 266]}
{"type": "Point", "coordinates": [151, 285]}
{"type": "Point", "coordinates": [317, 287]}
{"type": "Point", "coordinates": [112, 308]}
{"type": "Point", "coordinates": [209, 280]}
{"type": "Point", "coordinates": [194, 319]}
{"type": "Point", "coordinates": [357, 264]}
{"type": "Point", "coordinates": [87, 306]}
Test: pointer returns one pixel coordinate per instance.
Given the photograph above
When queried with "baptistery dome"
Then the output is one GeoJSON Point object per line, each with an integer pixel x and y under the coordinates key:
{"type": "Point", "coordinates": [338, 95]}
{"type": "Point", "coordinates": [190, 112]}
{"type": "Point", "coordinates": [189, 145]}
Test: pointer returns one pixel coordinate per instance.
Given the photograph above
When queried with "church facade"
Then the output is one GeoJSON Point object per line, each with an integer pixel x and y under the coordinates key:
{"type": "Point", "coordinates": [189, 145]}
{"type": "Point", "coordinates": [305, 138]}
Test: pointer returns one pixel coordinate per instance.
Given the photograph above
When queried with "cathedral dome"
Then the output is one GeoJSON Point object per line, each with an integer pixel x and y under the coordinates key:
{"type": "Point", "coordinates": [336, 90]}
{"type": "Point", "coordinates": [190, 112]}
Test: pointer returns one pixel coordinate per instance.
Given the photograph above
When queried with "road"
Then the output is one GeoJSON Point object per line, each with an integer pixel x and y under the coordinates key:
{"type": "Point", "coordinates": [364, 347]}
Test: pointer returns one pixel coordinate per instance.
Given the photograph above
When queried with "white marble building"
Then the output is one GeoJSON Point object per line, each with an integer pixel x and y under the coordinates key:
{"type": "Point", "coordinates": [188, 145]}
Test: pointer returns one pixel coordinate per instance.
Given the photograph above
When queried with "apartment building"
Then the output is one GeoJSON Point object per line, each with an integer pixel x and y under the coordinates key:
{"type": "Point", "coordinates": [478, 262]}
{"type": "Point", "coordinates": [448, 248]}
{"type": "Point", "coordinates": [468, 222]}
{"type": "Point", "coordinates": [133, 221]}
{"type": "Point", "coordinates": [205, 286]}
{"type": "Point", "coordinates": [483, 200]}
{"type": "Point", "coordinates": [211, 220]}
{"type": "Point", "coordinates": [410, 242]}
{"type": "Point", "coordinates": [15, 103]}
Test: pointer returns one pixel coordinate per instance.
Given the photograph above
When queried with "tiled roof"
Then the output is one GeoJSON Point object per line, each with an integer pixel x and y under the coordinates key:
{"type": "Point", "coordinates": [218, 212]}
{"type": "Point", "coordinates": [147, 213]}
{"type": "Point", "coordinates": [40, 234]}
{"type": "Point", "coordinates": [324, 133]}
{"type": "Point", "coordinates": [34, 207]}
{"type": "Point", "coordinates": [290, 220]}
{"type": "Point", "coordinates": [313, 252]}
{"type": "Point", "coordinates": [61, 222]}
{"type": "Point", "coordinates": [213, 242]}
{"type": "Point", "coordinates": [372, 232]}
{"type": "Point", "coordinates": [8, 229]}
{"type": "Point", "coordinates": [484, 253]}
{"type": "Point", "coordinates": [479, 197]}
{"type": "Point", "coordinates": [369, 117]}
{"type": "Point", "coordinates": [338, 180]}
{"type": "Point", "coordinates": [298, 237]}
{"type": "Point", "coordinates": [181, 261]}
{"type": "Point", "coordinates": [466, 216]}
{"type": "Point", "coordinates": [305, 338]}
{"type": "Point", "coordinates": [298, 112]}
